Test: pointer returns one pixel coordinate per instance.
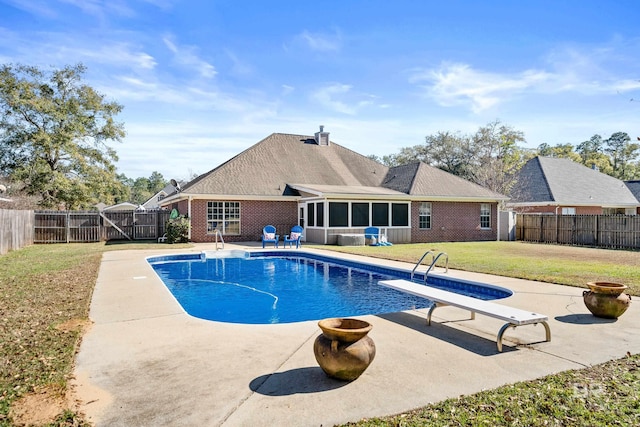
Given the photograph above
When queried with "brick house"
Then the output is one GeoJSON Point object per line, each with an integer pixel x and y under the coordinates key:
{"type": "Point", "coordinates": [286, 179]}
{"type": "Point", "coordinates": [563, 187]}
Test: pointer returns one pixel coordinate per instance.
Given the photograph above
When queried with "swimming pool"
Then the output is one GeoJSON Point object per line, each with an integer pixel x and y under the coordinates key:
{"type": "Point", "coordinates": [285, 286]}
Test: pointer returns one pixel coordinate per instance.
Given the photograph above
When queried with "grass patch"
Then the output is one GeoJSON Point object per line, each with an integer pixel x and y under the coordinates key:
{"type": "Point", "coordinates": [603, 395]}
{"type": "Point", "coordinates": [564, 265]}
{"type": "Point", "coordinates": [45, 292]}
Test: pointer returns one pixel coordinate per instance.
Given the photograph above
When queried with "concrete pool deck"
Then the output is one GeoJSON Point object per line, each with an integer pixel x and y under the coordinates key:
{"type": "Point", "coordinates": [145, 362]}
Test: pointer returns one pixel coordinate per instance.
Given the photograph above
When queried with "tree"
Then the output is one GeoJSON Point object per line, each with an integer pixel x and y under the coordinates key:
{"type": "Point", "coordinates": [592, 154]}
{"type": "Point", "coordinates": [622, 153]}
{"type": "Point", "coordinates": [497, 156]}
{"type": "Point", "coordinates": [54, 132]}
{"type": "Point", "coordinates": [451, 152]}
{"type": "Point", "coordinates": [564, 151]}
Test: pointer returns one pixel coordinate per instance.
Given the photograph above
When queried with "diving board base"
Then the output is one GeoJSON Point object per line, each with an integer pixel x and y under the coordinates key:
{"type": "Point", "coordinates": [513, 316]}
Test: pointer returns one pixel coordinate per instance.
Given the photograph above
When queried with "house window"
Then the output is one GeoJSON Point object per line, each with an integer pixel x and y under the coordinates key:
{"type": "Point", "coordinates": [311, 214]}
{"type": "Point", "coordinates": [380, 214]}
{"type": "Point", "coordinates": [224, 217]}
{"type": "Point", "coordinates": [360, 214]}
{"type": "Point", "coordinates": [399, 214]}
{"type": "Point", "coordinates": [485, 215]}
{"type": "Point", "coordinates": [615, 211]}
{"type": "Point", "coordinates": [338, 214]}
{"type": "Point", "coordinates": [320, 214]}
{"type": "Point", "coordinates": [424, 215]}
{"type": "Point", "coordinates": [568, 211]}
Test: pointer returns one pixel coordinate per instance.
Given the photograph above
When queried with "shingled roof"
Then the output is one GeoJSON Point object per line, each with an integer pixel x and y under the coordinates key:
{"type": "Point", "coordinates": [418, 178]}
{"type": "Point", "coordinates": [563, 181]}
{"type": "Point", "coordinates": [286, 164]}
{"type": "Point", "coordinates": [265, 168]}
{"type": "Point", "coordinates": [634, 187]}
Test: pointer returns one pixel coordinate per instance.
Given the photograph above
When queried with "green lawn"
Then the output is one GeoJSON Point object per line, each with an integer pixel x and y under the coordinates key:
{"type": "Point", "coordinates": [565, 265]}
{"type": "Point", "coordinates": [45, 291]}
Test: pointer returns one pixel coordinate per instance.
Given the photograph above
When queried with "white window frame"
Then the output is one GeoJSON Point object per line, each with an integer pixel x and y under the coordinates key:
{"type": "Point", "coordinates": [485, 216]}
{"type": "Point", "coordinates": [223, 214]}
{"type": "Point", "coordinates": [424, 214]}
{"type": "Point", "coordinates": [568, 211]}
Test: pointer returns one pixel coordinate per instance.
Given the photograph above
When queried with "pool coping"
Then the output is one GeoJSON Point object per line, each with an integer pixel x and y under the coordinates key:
{"type": "Point", "coordinates": [146, 362]}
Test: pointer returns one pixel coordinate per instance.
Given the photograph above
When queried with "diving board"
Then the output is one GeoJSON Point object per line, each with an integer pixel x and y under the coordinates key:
{"type": "Point", "coordinates": [513, 316]}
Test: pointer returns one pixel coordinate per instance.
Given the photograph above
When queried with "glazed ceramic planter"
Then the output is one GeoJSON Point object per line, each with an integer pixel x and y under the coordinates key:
{"type": "Point", "coordinates": [344, 350]}
{"type": "Point", "coordinates": [606, 299]}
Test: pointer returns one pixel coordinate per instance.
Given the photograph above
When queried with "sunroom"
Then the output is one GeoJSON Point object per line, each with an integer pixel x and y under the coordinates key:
{"type": "Point", "coordinates": [327, 211]}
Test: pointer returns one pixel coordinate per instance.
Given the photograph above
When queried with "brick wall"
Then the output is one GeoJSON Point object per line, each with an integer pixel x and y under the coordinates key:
{"type": "Point", "coordinates": [254, 215]}
{"type": "Point", "coordinates": [453, 222]}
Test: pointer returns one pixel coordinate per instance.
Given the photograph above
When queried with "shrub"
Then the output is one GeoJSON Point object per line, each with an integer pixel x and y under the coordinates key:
{"type": "Point", "coordinates": [178, 230]}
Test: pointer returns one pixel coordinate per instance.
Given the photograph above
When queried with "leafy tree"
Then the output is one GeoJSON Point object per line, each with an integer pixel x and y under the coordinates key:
{"type": "Point", "coordinates": [142, 189]}
{"type": "Point", "coordinates": [451, 152]}
{"type": "Point", "coordinates": [592, 154]}
{"type": "Point", "coordinates": [559, 150]}
{"type": "Point", "coordinates": [54, 132]}
{"type": "Point", "coordinates": [497, 156]}
{"type": "Point", "coordinates": [622, 153]}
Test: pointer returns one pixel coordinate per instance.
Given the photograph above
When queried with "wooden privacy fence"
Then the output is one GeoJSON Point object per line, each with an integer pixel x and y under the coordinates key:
{"type": "Point", "coordinates": [16, 229]}
{"type": "Point", "coordinates": [91, 226]}
{"type": "Point", "coordinates": [610, 231]}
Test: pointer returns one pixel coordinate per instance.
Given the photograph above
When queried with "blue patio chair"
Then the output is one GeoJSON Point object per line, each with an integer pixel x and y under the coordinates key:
{"type": "Point", "coordinates": [293, 237]}
{"type": "Point", "coordinates": [376, 237]}
{"type": "Point", "coordinates": [269, 236]}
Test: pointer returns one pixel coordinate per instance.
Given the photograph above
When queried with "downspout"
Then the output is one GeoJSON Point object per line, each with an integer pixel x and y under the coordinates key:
{"type": "Point", "coordinates": [498, 222]}
{"type": "Point", "coordinates": [189, 215]}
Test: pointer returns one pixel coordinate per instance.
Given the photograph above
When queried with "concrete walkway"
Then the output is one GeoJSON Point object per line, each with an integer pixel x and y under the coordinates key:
{"type": "Point", "coordinates": [145, 362]}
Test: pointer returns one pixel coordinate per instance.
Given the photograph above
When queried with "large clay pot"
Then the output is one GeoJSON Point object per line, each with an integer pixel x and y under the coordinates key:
{"type": "Point", "coordinates": [344, 350]}
{"type": "Point", "coordinates": [606, 299]}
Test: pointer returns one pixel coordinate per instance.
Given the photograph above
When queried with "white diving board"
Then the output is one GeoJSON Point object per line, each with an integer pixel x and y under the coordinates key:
{"type": "Point", "coordinates": [513, 316]}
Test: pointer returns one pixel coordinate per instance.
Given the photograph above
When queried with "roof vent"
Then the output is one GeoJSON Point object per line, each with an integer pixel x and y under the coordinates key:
{"type": "Point", "coordinates": [322, 137]}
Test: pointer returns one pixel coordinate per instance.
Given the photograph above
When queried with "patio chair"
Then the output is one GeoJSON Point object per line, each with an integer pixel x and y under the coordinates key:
{"type": "Point", "coordinates": [269, 236]}
{"type": "Point", "coordinates": [377, 238]}
{"type": "Point", "coordinates": [293, 237]}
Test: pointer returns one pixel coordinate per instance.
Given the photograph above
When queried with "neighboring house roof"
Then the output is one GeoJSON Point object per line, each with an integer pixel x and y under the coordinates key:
{"type": "Point", "coordinates": [287, 165]}
{"type": "Point", "coordinates": [544, 180]}
{"type": "Point", "coordinates": [634, 187]}
{"type": "Point", "coordinates": [124, 206]}
{"type": "Point", "coordinates": [154, 201]}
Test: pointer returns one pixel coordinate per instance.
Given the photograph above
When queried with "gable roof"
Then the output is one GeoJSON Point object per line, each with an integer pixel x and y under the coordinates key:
{"type": "Point", "coordinates": [265, 168]}
{"type": "Point", "coordinates": [418, 178]}
{"type": "Point", "coordinates": [284, 165]}
{"type": "Point", "coordinates": [634, 187]}
{"type": "Point", "coordinates": [563, 181]}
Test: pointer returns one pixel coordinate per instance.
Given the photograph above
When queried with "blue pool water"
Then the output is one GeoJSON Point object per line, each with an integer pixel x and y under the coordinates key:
{"type": "Point", "coordinates": [285, 287]}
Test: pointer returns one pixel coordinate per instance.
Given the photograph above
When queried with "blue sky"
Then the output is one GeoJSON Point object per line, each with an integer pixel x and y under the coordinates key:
{"type": "Point", "coordinates": [203, 80]}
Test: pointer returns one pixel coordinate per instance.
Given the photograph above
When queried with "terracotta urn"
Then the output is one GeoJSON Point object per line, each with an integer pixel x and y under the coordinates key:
{"type": "Point", "coordinates": [606, 299]}
{"type": "Point", "coordinates": [344, 350]}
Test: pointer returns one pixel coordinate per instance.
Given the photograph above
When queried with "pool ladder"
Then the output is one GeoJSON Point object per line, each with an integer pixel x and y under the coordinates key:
{"type": "Point", "coordinates": [217, 233]}
{"type": "Point", "coordinates": [434, 260]}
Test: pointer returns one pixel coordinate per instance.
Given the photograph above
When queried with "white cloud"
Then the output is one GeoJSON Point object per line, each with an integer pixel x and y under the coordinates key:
{"type": "Point", "coordinates": [587, 71]}
{"type": "Point", "coordinates": [339, 98]}
{"type": "Point", "coordinates": [459, 84]}
{"type": "Point", "coordinates": [186, 56]}
{"type": "Point", "coordinates": [321, 42]}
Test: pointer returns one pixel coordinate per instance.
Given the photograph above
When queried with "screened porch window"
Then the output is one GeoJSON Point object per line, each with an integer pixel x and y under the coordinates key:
{"type": "Point", "coordinates": [360, 214]}
{"type": "Point", "coordinates": [338, 214]}
{"type": "Point", "coordinates": [380, 214]}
